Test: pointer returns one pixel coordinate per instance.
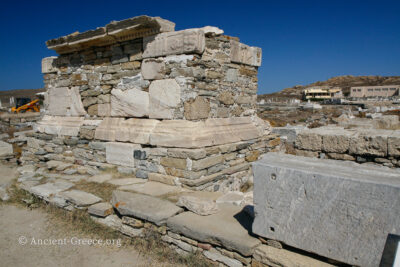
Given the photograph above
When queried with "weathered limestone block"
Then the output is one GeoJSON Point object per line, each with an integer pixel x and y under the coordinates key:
{"type": "Point", "coordinates": [206, 162]}
{"type": "Point", "coordinates": [116, 31]}
{"type": "Point", "coordinates": [162, 178]}
{"type": "Point", "coordinates": [370, 143]}
{"type": "Point", "coordinates": [80, 198]}
{"type": "Point", "coordinates": [309, 140]}
{"type": "Point", "coordinates": [173, 162]}
{"type": "Point", "coordinates": [48, 65]}
{"type": "Point", "coordinates": [394, 145]}
{"type": "Point", "coordinates": [153, 69]}
{"type": "Point", "coordinates": [129, 103]}
{"type": "Point", "coordinates": [6, 149]}
{"type": "Point", "coordinates": [133, 82]}
{"type": "Point", "coordinates": [275, 257]}
{"type": "Point", "coordinates": [121, 153]}
{"type": "Point", "coordinates": [198, 108]}
{"type": "Point", "coordinates": [226, 98]}
{"type": "Point", "coordinates": [211, 30]}
{"type": "Point", "coordinates": [63, 101]}
{"type": "Point", "coordinates": [228, 228]}
{"type": "Point", "coordinates": [165, 96]}
{"type": "Point", "coordinates": [144, 207]}
{"type": "Point", "coordinates": [335, 143]}
{"type": "Point", "coordinates": [197, 205]}
{"type": "Point", "coordinates": [241, 53]}
{"type": "Point", "coordinates": [130, 130]}
{"type": "Point", "coordinates": [180, 133]}
{"type": "Point", "coordinates": [104, 110]}
{"type": "Point", "coordinates": [174, 43]}
{"type": "Point", "coordinates": [187, 153]}
{"type": "Point", "coordinates": [187, 134]}
{"type": "Point", "coordinates": [67, 126]}
{"type": "Point", "coordinates": [327, 207]}
{"type": "Point", "coordinates": [101, 209]}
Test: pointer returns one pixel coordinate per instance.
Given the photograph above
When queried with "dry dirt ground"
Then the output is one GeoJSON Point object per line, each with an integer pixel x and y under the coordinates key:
{"type": "Point", "coordinates": [20, 224]}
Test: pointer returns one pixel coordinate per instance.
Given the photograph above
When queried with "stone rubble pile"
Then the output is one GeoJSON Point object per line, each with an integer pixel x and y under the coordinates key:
{"type": "Point", "coordinates": [177, 107]}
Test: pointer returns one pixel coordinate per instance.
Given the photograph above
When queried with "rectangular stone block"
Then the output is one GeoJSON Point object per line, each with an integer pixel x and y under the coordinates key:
{"type": "Point", "coordinates": [309, 141]}
{"type": "Point", "coordinates": [66, 126]}
{"type": "Point", "coordinates": [121, 153]}
{"type": "Point", "coordinates": [48, 65]}
{"type": "Point", "coordinates": [174, 43]}
{"type": "Point", "coordinates": [394, 145]}
{"type": "Point", "coordinates": [65, 102]}
{"type": "Point", "coordinates": [340, 210]}
{"type": "Point", "coordinates": [370, 144]}
{"type": "Point", "coordinates": [129, 103]}
{"type": "Point", "coordinates": [207, 162]}
{"type": "Point", "coordinates": [249, 55]}
{"type": "Point", "coordinates": [165, 96]}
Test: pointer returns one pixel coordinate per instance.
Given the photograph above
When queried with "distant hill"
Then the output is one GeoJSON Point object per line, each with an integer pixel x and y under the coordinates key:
{"type": "Point", "coordinates": [345, 82]}
{"type": "Point", "coordinates": [29, 93]}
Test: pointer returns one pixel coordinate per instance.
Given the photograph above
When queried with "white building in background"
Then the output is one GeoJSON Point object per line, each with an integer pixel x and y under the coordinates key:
{"type": "Point", "coordinates": [322, 92]}
{"type": "Point", "coordinates": [374, 91]}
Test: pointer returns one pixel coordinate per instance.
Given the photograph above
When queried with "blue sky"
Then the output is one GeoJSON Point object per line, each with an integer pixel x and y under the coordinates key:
{"type": "Point", "coordinates": [302, 41]}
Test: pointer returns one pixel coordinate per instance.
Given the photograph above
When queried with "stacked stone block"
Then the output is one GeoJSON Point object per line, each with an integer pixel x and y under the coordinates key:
{"type": "Point", "coordinates": [174, 106]}
{"type": "Point", "coordinates": [361, 145]}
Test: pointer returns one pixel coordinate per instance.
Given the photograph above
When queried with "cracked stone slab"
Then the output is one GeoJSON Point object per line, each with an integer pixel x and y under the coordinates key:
{"type": "Point", "coordinates": [101, 209]}
{"type": "Point", "coordinates": [48, 190]}
{"type": "Point", "coordinates": [229, 228]}
{"type": "Point", "coordinates": [327, 207]}
{"type": "Point", "coordinates": [80, 198]}
{"type": "Point", "coordinates": [144, 207]}
{"type": "Point", "coordinates": [152, 188]}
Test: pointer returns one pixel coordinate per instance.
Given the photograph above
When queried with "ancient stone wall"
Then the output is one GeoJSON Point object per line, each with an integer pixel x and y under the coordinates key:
{"type": "Point", "coordinates": [361, 145]}
{"type": "Point", "coordinates": [176, 107]}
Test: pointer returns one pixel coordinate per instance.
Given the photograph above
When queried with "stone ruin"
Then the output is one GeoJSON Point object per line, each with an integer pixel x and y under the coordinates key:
{"type": "Point", "coordinates": [177, 107]}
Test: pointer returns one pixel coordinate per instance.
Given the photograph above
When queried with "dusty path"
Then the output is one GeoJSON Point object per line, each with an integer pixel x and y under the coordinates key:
{"type": "Point", "coordinates": [17, 222]}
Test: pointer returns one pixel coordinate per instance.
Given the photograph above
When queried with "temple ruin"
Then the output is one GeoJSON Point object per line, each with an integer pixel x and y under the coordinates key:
{"type": "Point", "coordinates": [178, 107]}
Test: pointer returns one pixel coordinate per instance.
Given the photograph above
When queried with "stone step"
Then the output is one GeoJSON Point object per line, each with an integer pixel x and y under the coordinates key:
{"type": "Point", "coordinates": [229, 228]}
{"type": "Point", "coordinates": [144, 207]}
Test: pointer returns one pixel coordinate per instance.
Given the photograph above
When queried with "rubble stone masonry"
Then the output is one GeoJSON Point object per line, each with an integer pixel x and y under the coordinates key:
{"type": "Point", "coordinates": [177, 107]}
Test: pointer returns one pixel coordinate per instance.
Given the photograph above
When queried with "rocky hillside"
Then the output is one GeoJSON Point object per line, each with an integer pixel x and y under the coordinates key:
{"type": "Point", "coordinates": [345, 82]}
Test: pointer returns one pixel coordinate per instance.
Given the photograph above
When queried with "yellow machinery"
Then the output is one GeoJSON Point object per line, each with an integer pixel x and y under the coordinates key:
{"type": "Point", "coordinates": [26, 105]}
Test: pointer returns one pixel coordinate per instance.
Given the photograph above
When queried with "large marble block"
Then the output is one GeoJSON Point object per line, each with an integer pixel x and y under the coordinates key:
{"type": "Point", "coordinates": [129, 103]}
{"type": "Point", "coordinates": [63, 101]}
{"type": "Point", "coordinates": [340, 210]}
{"type": "Point", "coordinates": [48, 65]}
{"type": "Point", "coordinates": [165, 96]}
{"type": "Point", "coordinates": [61, 126]}
{"type": "Point", "coordinates": [249, 55]}
{"type": "Point", "coordinates": [174, 43]}
{"type": "Point", "coordinates": [121, 153]}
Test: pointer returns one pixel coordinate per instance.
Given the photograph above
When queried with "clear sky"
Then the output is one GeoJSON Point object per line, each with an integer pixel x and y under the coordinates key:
{"type": "Point", "coordinates": [302, 41]}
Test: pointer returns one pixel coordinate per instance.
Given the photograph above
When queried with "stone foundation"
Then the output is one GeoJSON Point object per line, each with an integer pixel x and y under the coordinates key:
{"type": "Point", "coordinates": [360, 145]}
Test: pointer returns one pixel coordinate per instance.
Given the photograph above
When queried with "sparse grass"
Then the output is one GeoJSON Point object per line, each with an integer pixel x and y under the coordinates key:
{"type": "Point", "coordinates": [247, 186]}
{"type": "Point", "coordinates": [102, 190]}
{"type": "Point", "coordinates": [79, 222]}
{"type": "Point", "coordinates": [116, 174]}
